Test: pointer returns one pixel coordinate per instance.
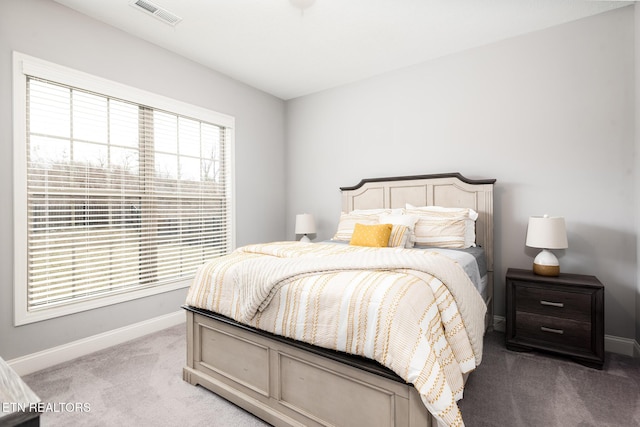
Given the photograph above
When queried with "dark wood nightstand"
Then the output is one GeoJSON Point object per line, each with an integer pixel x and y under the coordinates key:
{"type": "Point", "coordinates": [563, 314]}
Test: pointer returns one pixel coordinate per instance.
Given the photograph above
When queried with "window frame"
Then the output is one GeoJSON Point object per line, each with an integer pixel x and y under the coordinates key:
{"type": "Point", "coordinates": [25, 65]}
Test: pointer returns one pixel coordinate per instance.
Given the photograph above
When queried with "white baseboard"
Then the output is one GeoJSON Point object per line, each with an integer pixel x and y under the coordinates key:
{"type": "Point", "coordinates": [44, 359]}
{"type": "Point", "coordinates": [626, 346]}
{"type": "Point", "coordinates": [612, 344]}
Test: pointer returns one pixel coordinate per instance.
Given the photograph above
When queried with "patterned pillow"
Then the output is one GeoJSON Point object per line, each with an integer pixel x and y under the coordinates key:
{"type": "Point", "coordinates": [371, 235]}
{"type": "Point", "coordinates": [444, 227]}
{"type": "Point", "coordinates": [398, 219]}
{"type": "Point", "coordinates": [349, 220]}
{"type": "Point", "coordinates": [399, 236]}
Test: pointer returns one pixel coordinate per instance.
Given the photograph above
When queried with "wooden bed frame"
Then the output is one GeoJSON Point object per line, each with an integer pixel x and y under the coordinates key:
{"type": "Point", "coordinates": [290, 383]}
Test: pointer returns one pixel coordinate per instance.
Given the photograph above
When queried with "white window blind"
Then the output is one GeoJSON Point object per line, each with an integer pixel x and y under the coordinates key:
{"type": "Point", "coordinates": [120, 196]}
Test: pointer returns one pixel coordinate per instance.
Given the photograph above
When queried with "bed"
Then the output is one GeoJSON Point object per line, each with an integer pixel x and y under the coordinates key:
{"type": "Point", "coordinates": [286, 379]}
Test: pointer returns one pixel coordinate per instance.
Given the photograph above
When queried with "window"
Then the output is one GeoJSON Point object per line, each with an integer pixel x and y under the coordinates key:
{"type": "Point", "coordinates": [119, 193]}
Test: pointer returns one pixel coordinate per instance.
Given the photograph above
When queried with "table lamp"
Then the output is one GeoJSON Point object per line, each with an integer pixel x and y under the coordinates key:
{"type": "Point", "coordinates": [546, 233]}
{"type": "Point", "coordinates": [305, 225]}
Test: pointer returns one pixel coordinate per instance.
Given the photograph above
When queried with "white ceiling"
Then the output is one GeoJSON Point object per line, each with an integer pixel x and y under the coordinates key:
{"type": "Point", "coordinates": [290, 52]}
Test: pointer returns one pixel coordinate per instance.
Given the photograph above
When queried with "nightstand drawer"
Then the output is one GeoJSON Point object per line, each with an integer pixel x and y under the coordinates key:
{"type": "Point", "coordinates": [564, 332]}
{"type": "Point", "coordinates": [549, 302]}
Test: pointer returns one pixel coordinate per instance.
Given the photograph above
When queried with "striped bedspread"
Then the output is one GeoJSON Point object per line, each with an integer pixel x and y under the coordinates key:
{"type": "Point", "coordinates": [414, 311]}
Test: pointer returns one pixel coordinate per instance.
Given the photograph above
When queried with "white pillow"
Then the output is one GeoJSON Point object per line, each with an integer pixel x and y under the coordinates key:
{"type": "Point", "coordinates": [443, 226]}
{"type": "Point", "coordinates": [472, 214]}
{"type": "Point", "coordinates": [362, 216]}
{"type": "Point", "coordinates": [371, 211]}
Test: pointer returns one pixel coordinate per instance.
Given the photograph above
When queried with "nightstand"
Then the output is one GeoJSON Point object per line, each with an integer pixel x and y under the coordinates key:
{"type": "Point", "coordinates": [563, 314]}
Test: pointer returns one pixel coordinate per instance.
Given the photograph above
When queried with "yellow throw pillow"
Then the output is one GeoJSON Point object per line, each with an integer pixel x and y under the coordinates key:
{"type": "Point", "coordinates": [371, 235]}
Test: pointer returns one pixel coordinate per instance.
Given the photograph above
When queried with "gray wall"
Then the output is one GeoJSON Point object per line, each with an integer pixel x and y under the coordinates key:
{"type": "Point", "coordinates": [550, 115]}
{"type": "Point", "coordinates": [637, 165]}
{"type": "Point", "coordinates": [47, 30]}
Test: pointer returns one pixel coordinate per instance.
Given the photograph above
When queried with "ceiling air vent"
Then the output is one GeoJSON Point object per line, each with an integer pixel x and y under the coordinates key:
{"type": "Point", "coordinates": [156, 11]}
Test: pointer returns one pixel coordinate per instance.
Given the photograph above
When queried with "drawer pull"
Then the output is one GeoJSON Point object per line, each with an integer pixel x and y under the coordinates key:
{"type": "Point", "coordinates": [553, 331]}
{"type": "Point", "coordinates": [552, 304]}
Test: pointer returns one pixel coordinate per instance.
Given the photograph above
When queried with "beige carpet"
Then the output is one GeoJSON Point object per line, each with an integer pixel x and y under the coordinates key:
{"type": "Point", "coordinates": [535, 389]}
{"type": "Point", "coordinates": [139, 383]}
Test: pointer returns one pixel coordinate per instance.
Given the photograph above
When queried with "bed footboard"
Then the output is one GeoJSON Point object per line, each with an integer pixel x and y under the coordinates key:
{"type": "Point", "coordinates": [286, 384]}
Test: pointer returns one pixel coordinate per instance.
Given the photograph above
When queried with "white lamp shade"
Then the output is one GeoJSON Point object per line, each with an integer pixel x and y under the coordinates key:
{"type": "Point", "coordinates": [547, 232]}
{"type": "Point", "coordinates": [305, 224]}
